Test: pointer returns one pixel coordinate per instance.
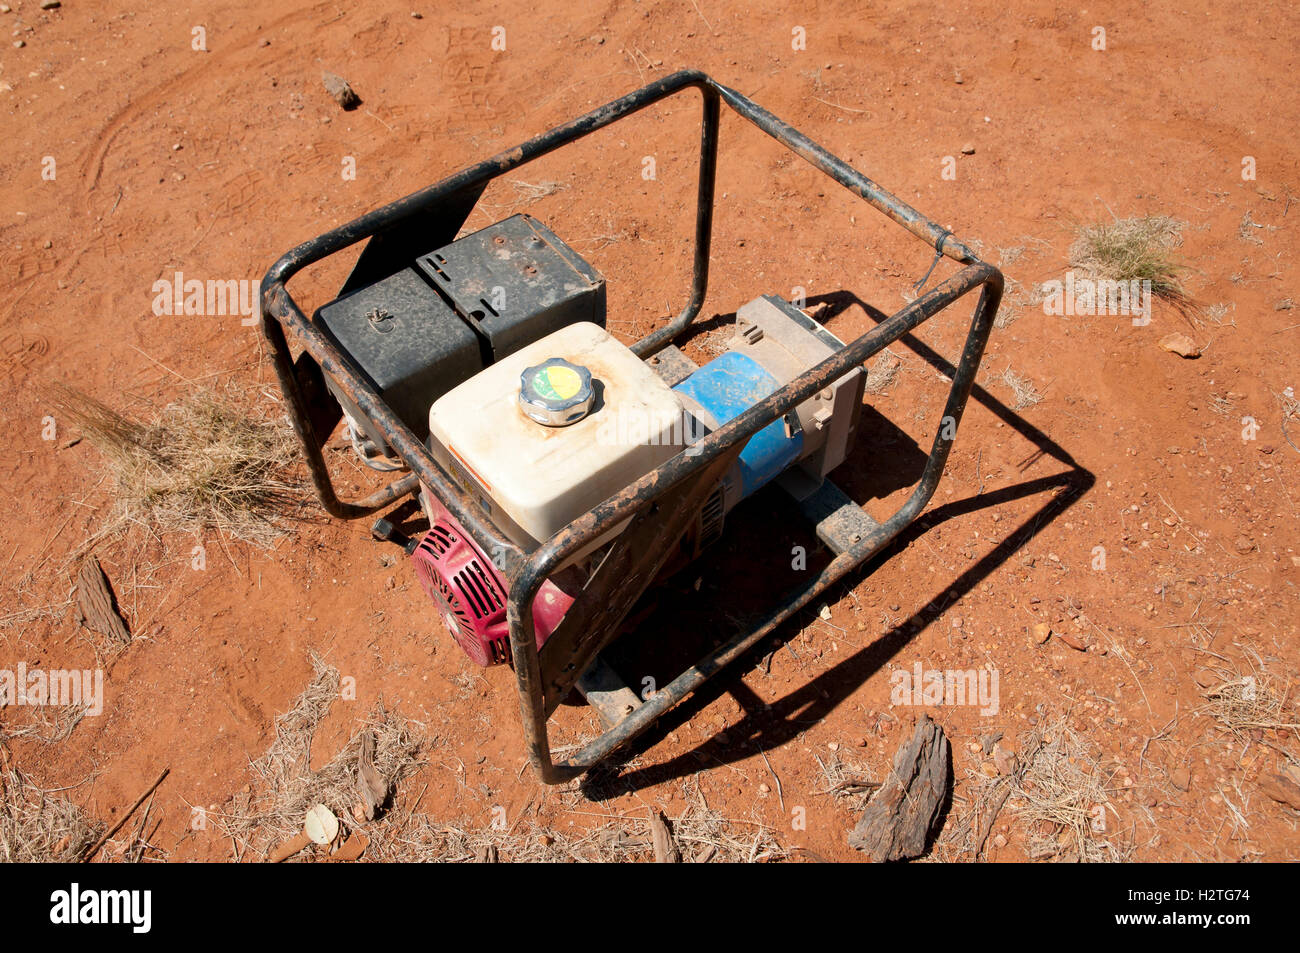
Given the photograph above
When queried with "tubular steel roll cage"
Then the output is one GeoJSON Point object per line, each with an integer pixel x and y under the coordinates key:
{"type": "Point", "coordinates": [662, 502]}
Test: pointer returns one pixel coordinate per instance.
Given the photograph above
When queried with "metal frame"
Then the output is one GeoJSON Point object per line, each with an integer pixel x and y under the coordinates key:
{"type": "Point", "coordinates": [660, 503]}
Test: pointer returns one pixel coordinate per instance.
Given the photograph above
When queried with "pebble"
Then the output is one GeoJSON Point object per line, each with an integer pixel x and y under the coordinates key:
{"type": "Point", "coordinates": [968, 149]}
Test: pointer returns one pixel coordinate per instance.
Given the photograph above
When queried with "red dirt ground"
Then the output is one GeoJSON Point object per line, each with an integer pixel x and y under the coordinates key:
{"type": "Point", "coordinates": [215, 162]}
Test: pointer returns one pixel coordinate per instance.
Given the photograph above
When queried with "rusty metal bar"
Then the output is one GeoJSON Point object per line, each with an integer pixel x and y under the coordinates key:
{"type": "Point", "coordinates": [653, 486]}
{"type": "Point", "coordinates": [656, 340]}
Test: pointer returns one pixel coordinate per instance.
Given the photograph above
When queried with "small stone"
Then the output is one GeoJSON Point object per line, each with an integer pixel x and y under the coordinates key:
{"type": "Point", "coordinates": [1180, 778]}
{"type": "Point", "coordinates": [1206, 678]}
{"type": "Point", "coordinates": [957, 77]}
{"type": "Point", "coordinates": [1004, 759]}
{"type": "Point", "coordinates": [341, 92]}
{"type": "Point", "coordinates": [263, 42]}
{"type": "Point", "coordinates": [989, 769]}
{"type": "Point", "coordinates": [825, 613]}
{"type": "Point", "coordinates": [999, 841]}
{"type": "Point", "coordinates": [1243, 545]}
{"type": "Point", "coordinates": [833, 745]}
{"type": "Point", "coordinates": [50, 4]}
{"type": "Point", "coordinates": [1285, 304]}
{"type": "Point", "coordinates": [598, 39]}
{"type": "Point", "coordinates": [956, 622]}
{"type": "Point", "coordinates": [1072, 641]}
{"type": "Point", "coordinates": [417, 15]}
{"type": "Point", "coordinates": [1281, 789]}
{"type": "Point", "coordinates": [19, 44]}
{"type": "Point", "coordinates": [1040, 632]}
{"type": "Point", "coordinates": [968, 149]}
{"type": "Point", "coordinates": [1181, 345]}
{"type": "Point", "coordinates": [764, 789]}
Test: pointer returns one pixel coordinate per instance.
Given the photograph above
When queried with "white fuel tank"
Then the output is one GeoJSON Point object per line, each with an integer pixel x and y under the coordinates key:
{"type": "Point", "coordinates": [535, 477]}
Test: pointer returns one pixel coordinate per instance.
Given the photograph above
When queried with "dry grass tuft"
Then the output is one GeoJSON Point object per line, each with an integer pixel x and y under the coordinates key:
{"type": "Point", "coordinates": [847, 781]}
{"type": "Point", "coordinates": [1022, 388]}
{"type": "Point", "coordinates": [205, 464]}
{"type": "Point", "coordinates": [1290, 406]}
{"type": "Point", "coordinates": [37, 826]}
{"type": "Point", "coordinates": [701, 835]}
{"type": "Point", "coordinates": [1059, 792]}
{"type": "Point", "coordinates": [1241, 701]}
{"type": "Point", "coordinates": [285, 785]}
{"type": "Point", "coordinates": [883, 371]}
{"type": "Point", "coordinates": [1134, 249]}
{"type": "Point", "coordinates": [50, 724]}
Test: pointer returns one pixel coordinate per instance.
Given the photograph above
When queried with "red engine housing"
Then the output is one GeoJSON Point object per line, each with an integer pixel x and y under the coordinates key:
{"type": "Point", "coordinates": [471, 593]}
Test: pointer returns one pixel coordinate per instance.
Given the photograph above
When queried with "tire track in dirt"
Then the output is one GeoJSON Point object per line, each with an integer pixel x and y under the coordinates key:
{"type": "Point", "coordinates": [92, 161]}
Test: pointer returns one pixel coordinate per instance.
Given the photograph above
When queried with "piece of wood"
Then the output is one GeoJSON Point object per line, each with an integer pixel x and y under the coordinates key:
{"type": "Point", "coordinates": [352, 848]}
{"type": "Point", "coordinates": [666, 851]}
{"type": "Point", "coordinates": [96, 606]}
{"type": "Point", "coordinates": [94, 848]}
{"type": "Point", "coordinates": [287, 849]}
{"type": "Point", "coordinates": [371, 786]}
{"type": "Point", "coordinates": [905, 814]}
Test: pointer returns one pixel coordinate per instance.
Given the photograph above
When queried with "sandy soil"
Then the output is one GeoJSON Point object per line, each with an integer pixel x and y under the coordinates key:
{"type": "Point", "coordinates": [213, 162]}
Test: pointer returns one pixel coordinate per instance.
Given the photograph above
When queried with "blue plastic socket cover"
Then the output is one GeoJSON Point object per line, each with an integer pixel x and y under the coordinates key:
{"type": "Point", "coordinates": [728, 386]}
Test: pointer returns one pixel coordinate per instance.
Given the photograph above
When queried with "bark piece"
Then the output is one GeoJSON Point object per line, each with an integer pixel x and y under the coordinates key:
{"type": "Point", "coordinates": [373, 789]}
{"type": "Point", "coordinates": [666, 851]}
{"type": "Point", "coordinates": [96, 607]}
{"type": "Point", "coordinates": [906, 812]}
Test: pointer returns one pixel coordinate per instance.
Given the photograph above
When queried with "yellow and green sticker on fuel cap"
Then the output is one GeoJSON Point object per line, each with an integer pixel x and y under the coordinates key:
{"type": "Point", "coordinates": [557, 382]}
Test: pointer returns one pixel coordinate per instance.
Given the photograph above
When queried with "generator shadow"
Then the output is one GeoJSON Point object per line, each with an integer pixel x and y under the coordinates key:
{"type": "Point", "coordinates": [765, 726]}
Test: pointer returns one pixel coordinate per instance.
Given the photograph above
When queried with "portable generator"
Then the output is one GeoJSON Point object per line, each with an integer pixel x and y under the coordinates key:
{"type": "Point", "coordinates": [562, 472]}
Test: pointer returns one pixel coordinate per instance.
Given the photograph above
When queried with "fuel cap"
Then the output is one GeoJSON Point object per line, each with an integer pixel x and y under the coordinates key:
{"type": "Point", "coordinates": [556, 393]}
